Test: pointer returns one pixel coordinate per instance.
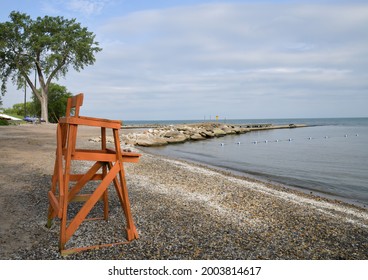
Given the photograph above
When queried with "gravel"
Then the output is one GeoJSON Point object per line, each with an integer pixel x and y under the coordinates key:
{"type": "Point", "coordinates": [188, 211]}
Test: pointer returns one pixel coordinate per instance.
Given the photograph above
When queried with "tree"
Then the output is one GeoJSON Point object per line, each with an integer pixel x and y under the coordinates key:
{"type": "Point", "coordinates": [49, 46]}
{"type": "Point", "coordinates": [19, 110]}
{"type": "Point", "coordinates": [58, 98]}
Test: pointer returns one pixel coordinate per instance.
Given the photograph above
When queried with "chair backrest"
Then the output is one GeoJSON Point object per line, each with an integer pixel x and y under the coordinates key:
{"type": "Point", "coordinates": [73, 105]}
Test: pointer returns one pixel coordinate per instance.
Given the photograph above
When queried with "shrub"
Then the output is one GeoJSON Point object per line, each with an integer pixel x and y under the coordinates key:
{"type": "Point", "coordinates": [4, 122]}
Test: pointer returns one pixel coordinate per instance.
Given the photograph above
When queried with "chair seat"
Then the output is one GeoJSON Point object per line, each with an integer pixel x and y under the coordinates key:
{"type": "Point", "coordinates": [107, 155]}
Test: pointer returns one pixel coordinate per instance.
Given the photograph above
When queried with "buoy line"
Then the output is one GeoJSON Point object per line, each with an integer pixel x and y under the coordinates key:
{"type": "Point", "coordinates": [287, 140]}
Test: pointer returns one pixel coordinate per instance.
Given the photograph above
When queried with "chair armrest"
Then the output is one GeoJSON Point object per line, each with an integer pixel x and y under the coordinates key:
{"type": "Point", "coordinates": [130, 157]}
{"type": "Point", "coordinates": [88, 121]}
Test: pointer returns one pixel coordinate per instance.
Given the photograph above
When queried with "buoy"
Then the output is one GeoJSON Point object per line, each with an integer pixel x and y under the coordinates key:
{"type": "Point", "coordinates": [345, 135]}
{"type": "Point", "coordinates": [326, 137]}
{"type": "Point", "coordinates": [266, 141]}
{"type": "Point", "coordinates": [238, 143]}
{"type": "Point", "coordinates": [290, 139]}
{"type": "Point", "coordinates": [356, 134]}
{"type": "Point", "coordinates": [222, 144]}
{"type": "Point", "coordinates": [254, 142]}
{"type": "Point", "coordinates": [277, 140]}
{"type": "Point", "coordinates": [310, 138]}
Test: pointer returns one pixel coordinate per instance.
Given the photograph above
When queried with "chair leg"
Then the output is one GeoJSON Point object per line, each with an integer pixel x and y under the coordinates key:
{"type": "Point", "coordinates": [105, 195]}
{"type": "Point", "coordinates": [65, 187]}
{"type": "Point", "coordinates": [57, 179]}
{"type": "Point", "coordinates": [131, 229]}
{"type": "Point", "coordinates": [51, 212]}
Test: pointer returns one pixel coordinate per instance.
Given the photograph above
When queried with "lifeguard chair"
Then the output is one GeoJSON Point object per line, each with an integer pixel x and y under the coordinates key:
{"type": "Point", "coordinates": [66, 187]}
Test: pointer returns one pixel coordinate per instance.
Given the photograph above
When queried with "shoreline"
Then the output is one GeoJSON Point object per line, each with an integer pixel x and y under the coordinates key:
{"type": "Point", "coordinates": [288, 182]}
{"type": "Point", "coordinates": [262, 178]}
{"type": "Point", "coordinates": [181, 210]}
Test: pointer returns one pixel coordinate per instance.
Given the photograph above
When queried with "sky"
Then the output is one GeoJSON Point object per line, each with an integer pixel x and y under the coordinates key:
{"type": "Point", "coordinates": [183, 60]}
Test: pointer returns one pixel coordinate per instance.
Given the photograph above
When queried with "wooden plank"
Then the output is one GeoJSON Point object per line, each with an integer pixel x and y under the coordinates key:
{"type": "Point", "coordinates": [77, 177]}
{"type": "Point", "coordinates": [94, 156]}
{"type": "Point", "coordinates": [54, 202]}
{"type": "Point", "coordinates": [91, 122]}
{"type": "Point", "coordinates": [84, 180]}
{"type": "Point", "coordinates": [82, 197]}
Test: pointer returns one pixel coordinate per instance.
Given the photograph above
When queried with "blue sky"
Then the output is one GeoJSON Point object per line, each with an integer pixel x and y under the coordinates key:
{"type": "Point", "coordinates": [198, 59]}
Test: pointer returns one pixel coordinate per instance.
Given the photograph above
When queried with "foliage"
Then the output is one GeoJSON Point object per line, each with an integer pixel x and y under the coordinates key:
{"type": "Point", "coordinates": [4, 122]}
{"type": "Point", "coordinates": [58, 98]}
{"type": "Point", "coordinates": [18, 109]}
{"type": "Point", "coordinates": [48, 45]}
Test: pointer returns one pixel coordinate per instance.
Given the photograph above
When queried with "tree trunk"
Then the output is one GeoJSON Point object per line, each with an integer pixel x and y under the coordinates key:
{"type": "Point", "coordinates": [44, 107]}
{"type": "Point", "coordinates": [42, 96]}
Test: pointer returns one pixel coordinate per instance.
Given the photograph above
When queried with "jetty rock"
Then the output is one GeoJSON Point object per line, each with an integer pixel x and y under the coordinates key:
{"type": "Point", "coordinates": [150, 140]}
{"type": "Point", "coordinates": [219, 132]}
{"type": "Point", "coordinates": [173, 134]}
{"type": "Point", "coordinates": [181, 138]}
{"type": "Point", "coordinates": [181, 133]}
{"type": "Point", "coordinates": [159, 135]}
{"type": "Point", "coordinates": [197, 136]}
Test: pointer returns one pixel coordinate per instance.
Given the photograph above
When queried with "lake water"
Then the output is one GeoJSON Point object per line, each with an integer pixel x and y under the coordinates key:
{"type": "Point", "coordinates": [329, 157]}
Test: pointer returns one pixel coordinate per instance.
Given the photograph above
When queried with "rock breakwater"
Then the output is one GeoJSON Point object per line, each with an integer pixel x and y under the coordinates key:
{"type": "Point", "coordinates": [173, 134]}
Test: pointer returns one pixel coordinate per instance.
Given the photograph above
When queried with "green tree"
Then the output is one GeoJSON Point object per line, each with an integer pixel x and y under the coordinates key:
{"type": "Point", "coordinates": [58, 98]}
{"type": "Point", "coordinates": [49, 46]}
{"type": "Point", "coordinates": [18, 109]}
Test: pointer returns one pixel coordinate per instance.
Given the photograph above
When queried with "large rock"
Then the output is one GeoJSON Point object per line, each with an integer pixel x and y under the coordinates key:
{"type": "Point", "coordinates": [172, 133]}
{"type": "Point", "coordinates": [208, 134]}
{"type": "Point", "coordinates": [181, 138]}
{"type": "Point", "coordinates": [197, 136]}
{"type": "Point", "coordinates": [150, 141]}
{"type": "Point", "coordinates": [218, 132]}
{"type": "Point", "coordinates": [243, 130]}
{"type": "Point", "coordinates": [183, 127]}
{"type": "Point", "coordinates": [129, 139]}
{"type": "Point", "coordinates": [228, 130]}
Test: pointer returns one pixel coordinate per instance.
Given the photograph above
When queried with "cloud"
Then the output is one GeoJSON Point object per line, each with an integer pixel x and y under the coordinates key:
{"type": "Point", "coordinates": [238, 60]}
{"type": "Point", "coordinates": [75, 7]}
{"type": "Point", "coordinates": [87, 7]}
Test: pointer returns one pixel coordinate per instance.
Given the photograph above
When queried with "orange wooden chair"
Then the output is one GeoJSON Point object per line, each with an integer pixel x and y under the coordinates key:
{"type": "Point", "coordinates": [66, 187]}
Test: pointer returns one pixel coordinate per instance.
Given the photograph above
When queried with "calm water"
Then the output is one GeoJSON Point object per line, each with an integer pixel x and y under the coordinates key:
{"type": "Point", "coordinates": [329, 157]}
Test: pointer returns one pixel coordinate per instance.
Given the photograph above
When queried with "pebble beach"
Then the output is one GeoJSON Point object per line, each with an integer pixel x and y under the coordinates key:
{"type": "Point", "coordinates": [182, 211]}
